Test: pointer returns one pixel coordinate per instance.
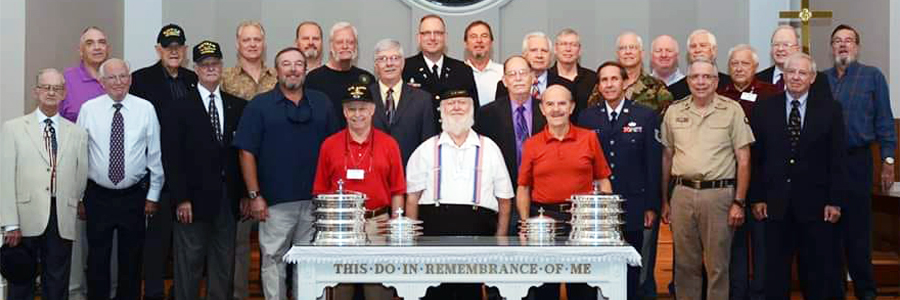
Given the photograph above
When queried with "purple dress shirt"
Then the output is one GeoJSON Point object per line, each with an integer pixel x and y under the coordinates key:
{"type": "Point", "coordinates": [80, 87]}
{"type": "Point", "coordinates": [528, 116]}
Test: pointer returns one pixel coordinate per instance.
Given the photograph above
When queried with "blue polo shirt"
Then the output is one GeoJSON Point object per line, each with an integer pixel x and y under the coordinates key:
{"type": "Point", "coordinates": [285, 139]}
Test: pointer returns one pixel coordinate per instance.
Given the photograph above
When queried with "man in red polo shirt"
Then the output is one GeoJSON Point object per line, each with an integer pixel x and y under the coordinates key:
{"type": "Point", "coordinates": [368, 161]}
{"type": "Point", "coordinates": [558, 162]}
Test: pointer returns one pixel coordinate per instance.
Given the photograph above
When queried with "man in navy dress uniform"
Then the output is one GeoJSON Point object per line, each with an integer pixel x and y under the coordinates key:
{"type": "Point", "coordinates": [628, 135]}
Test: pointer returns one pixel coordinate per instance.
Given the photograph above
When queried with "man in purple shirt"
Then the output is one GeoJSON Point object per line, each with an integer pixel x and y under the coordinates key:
{"type": "Point", "coordinates": [512, 118]}
{"type": "Point", "coordinates": [81, 81]}
{"type": "Point", "coordinates": [81, 86]}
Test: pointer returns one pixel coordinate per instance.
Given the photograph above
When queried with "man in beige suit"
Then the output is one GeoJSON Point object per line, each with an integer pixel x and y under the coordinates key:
{"type": "Point", "coordinates": [43, 173]}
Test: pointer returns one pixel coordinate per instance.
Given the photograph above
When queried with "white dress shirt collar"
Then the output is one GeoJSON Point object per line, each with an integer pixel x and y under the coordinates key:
{"type": "Point", "coordinates": [617, 109]}
{"type": "Point", "coordinates": [430, 64]}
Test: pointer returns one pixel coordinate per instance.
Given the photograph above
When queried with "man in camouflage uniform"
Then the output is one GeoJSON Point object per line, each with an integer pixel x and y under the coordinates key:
{"type": "Point", "coordinates": [641, 87]}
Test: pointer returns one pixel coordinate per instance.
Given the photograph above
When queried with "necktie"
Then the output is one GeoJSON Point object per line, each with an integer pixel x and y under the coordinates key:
{"type": "Point", "coordinates": [50, 144]}
{"type": "Point", "coordinates": [613, 117]}
{"type": "Point", "coordinates": [434, 71]}
{"type": "Point", "coordinates": [535, 90]}
{"type": "Point", "coordinates": [780, 83]}
{"type": "Point", "coordinates": [214, 117]}
{"type": "Point", "coordinates": [117, 146]}
{"type": "Point", "coordinates": [389, 106]}
{"type": "Point", "coordinates": [794, 124]}
{"type": "Point", "coordinates": [521, 132]}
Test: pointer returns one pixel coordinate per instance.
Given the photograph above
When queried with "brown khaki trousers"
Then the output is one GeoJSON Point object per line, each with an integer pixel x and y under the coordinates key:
{"type": "Point", "coordinates": [701, 235]}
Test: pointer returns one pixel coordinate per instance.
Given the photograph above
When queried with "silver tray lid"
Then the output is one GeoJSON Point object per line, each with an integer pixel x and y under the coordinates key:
{"type": "Point", "coordinates": [538, 221]}
{"type": "Point", "coordinates": [342, 195]}
{"type": "Point", "coordinates": [595, 195]}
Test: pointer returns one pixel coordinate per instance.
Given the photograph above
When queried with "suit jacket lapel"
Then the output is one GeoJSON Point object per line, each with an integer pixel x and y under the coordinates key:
{"type": "Point", "coordinates": [380, 109]}
{"type": "Point", "coordinates": [36, 137]}
{"type": "Point", "coordinates": [403, 105]}
{"type": "Point", "coordinates": [782, 120]}
{"type": "Point", "coordinates": [538, 121]}
{"type": "Point", "coordinates": [198, 106]}
{"type": "Point", "coordinates": [813, 109]}
{"type": "Point", "coordinates": [230, 119]}
{"type": "Point", "coordinates": [62, 138]}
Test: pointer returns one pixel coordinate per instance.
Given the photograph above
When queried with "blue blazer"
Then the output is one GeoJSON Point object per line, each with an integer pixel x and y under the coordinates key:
{"type": "Point", "coordinates": [634, 154]}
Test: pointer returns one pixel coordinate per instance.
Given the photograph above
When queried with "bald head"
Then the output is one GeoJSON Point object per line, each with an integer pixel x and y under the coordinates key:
{"type": "Point", "coordinates": [664, 54]}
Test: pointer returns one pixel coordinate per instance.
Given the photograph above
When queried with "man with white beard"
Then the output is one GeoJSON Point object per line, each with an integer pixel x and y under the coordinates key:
{"type": "Point", "coordinates": [334, 77]}
{"type": "Point", "coordinates": [443, 186]}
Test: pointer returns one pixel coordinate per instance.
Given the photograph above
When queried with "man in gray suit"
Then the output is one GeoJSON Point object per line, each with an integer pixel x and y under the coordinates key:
{"type": "Point", "coordinates": [405, 112]}
{"type": "Point", "coordinates": [43, 174]}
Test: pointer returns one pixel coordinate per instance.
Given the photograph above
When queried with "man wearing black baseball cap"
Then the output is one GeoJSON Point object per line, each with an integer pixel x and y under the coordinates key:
{"type": "Point", "coordinates": [164, 84]}
{"type": "Point", "coordinates": [204, 179]}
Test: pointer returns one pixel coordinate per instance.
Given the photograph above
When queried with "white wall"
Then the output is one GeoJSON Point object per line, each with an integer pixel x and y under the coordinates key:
{"type": "Point", "coordinates": [143, 19]}
{"type": "Point", "coordinates": [12, 62]}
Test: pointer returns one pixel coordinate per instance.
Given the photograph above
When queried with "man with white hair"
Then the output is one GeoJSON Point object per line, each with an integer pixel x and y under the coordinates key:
{"type": "Point", "coordinates": [123, 146]}
{"type": "Point", "coordinates": [641, 88]}
{"type": "Point", "coordinates": [443, 186]}
{"type": "Point", "coordinates": [432, 70]}
{"type": "Point", "coordinates": [700, 44]}
{"type": "Point", "coordinates": [309, 40]}
{"type": "Point", "coordinates": [401, 110]}
{"type": "Point", "coordinates": [801, 141]}
{"type": "Point", "coordinates": [664, 59]}
{"type": "Point", "coordinates": [537, 50]}
{"type": "Point", "coordinates": [707, 157]}
{"type": "Point", "coordinates": [340, 71]}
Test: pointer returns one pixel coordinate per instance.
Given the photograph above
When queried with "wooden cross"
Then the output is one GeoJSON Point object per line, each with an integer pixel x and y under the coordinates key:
{"type": "Point", "coordinates": [804, 14]}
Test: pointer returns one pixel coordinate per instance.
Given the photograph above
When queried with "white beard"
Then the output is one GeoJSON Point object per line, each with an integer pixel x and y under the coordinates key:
{"type": "Point", "coordinates": [457, 125]}
{"type": "Point", "coordinates": [844, 61]}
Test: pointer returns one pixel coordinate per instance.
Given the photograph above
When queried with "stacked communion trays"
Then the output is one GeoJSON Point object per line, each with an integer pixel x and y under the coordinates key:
{"type": "Point", "coordinates": [597, 219]}
{"type": "Point", "coordinates": [402, 230]}
{"type": "Point", "coordinates": [340, 217]}
{"type": "Point", "coordinates": [539, 229]}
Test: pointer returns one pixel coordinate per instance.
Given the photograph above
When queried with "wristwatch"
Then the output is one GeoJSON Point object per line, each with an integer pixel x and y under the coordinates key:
{"type": "Point", "coordinates": [889, 160]}
{"type": "Point", "coordinates": [739, 202]}
{"type": "Point", "coordinates": [252, 194]}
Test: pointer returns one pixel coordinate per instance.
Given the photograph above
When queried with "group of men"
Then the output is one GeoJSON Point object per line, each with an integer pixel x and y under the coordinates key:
{"type": "Point", "coordinates": [196, 157]}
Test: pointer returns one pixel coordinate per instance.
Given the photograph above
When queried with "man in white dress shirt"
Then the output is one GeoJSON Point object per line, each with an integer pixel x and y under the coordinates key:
{"type": "Point", "coordinates": [458, 175]}
{"type": "Point", "coordinates": [124, 154]}
{"type": "Point", "coordinates": [479, 41]}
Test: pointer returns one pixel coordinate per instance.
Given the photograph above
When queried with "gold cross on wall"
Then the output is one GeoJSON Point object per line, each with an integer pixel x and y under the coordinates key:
{"type": "Point", "coordinates": [804, 14]}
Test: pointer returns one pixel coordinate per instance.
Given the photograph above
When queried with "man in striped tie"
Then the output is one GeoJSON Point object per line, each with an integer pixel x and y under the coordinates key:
{"type": "Point", "coordinates": [124, 151]}
{"type": "Point", "coordinates": [43, 172]}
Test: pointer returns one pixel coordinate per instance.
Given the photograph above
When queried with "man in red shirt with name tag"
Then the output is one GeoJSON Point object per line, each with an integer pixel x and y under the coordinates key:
{"type": "Point", "coordinates": [367, 160]}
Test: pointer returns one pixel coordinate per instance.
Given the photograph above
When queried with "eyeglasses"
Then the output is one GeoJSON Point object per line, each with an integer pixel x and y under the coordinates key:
{"type": "Point", "coordinates": [514, 73]}
{"type": "Point", "coordinates": [120, 77]}
{"type": "Point", "coordinates": [839, 41]}
{"type": "Point", "coordinates": [433, 32]}
{"type": "Point", "coordinates": [55, 88]}
{"type": "Point", "coordinates": [210, 65]}
{"type": "Point", "coordinates": [568, 44]}
{"type": "Point", "coordinates": [629, 47]}
{"type": "Point", "coordinates": [386, 59]}
{"type": "Point", "coordinates": [702, 76]}
{"type": "Point", "coordinates": [783, 45]}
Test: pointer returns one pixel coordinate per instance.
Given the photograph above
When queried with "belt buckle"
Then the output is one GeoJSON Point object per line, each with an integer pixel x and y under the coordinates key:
{"type": "Point", "coordinates": [696, 184]}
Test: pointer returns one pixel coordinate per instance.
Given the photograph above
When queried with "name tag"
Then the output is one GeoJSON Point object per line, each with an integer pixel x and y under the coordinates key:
{"type": "Point", "coordinates": [358, 174]}
{"type": "Point", "coordinates": [748, 96]}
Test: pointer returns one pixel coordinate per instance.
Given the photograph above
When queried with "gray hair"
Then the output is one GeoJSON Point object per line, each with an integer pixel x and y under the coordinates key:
{"type": "Point", "coordinates": [537, 34]}
{"type": "Point", "coordinates": [712, 37]}
{"type": "Point", "coordinates": [48, 70]}
{"type": "Point", "coordinates": [742, 47]}
{"type": "Point", "coordinates": [568, 31]}
{"type": "Point", "coordinates": [388, 44]}
{"type": "Point", "coordinates": [702, 60]}
{"type": "Point", "coordinates": [786, 27]}
{"type": "Point", "coordinates": [801, 55]}
{"type": "Point", "coordinates": [653, 44]}
{"type": "Point", "coordinates": [103, 65]}
{"type": "Point", "coordinates": [639, 39]}
{"type": "Point", "coordinates": [341, 26]}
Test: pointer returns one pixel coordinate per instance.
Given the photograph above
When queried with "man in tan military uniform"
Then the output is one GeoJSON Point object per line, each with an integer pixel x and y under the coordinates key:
{"type": "Point", "coordinates": [707, 140]}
